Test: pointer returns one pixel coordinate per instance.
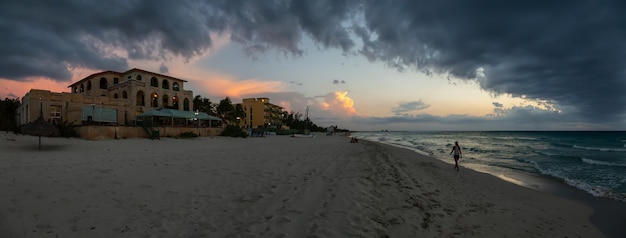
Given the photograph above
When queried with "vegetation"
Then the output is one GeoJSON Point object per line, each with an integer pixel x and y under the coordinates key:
{"type": "Point", "coordinates": [234, 131]}
{"type": "Point", "coordinates": [67, 130]}
{"type": "Point", "coordinates": [8, 110]}
{"type": "Point", "coordinates": [294, 121]}
{"type": "Point", "coordinates": [230, 114]}
{"type": "Point", "coordinates": [187, 135]}
{"type": "Point", "coordinates": [204, 105]}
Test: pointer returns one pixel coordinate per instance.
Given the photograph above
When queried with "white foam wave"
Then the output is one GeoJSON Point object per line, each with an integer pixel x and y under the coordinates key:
{"type": "Point", "coordinates": [594, 190]}
{"type": "Point", "coordinates": [605, 163]}
{"type": "Point", "coordinates": [599, 149]}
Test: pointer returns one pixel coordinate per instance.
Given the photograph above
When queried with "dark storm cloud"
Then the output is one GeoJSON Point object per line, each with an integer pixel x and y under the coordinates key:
{"type": "Point", "coordinates": [516, 118]}
{"type": "Point", "coordinates": [567, 52]}
{"type": "Point", "coordinates": [163, 69]}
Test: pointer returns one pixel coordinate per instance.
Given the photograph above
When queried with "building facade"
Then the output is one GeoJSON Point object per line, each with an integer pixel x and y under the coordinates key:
{"type": "Point", "coordinates": [260, 113]}
{"type": "Point", "coordinates": [107, 98]}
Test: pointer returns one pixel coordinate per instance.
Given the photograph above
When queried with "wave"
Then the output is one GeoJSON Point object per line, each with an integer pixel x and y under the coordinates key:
{"type": "Point", "coordinates": [595, 190]}
{"type": "Point", "coordinates": [599, 149]}
{"type": "Point", "coordinates": [605, 163]}
{"type": "Point", "coordinates": [547, 153]}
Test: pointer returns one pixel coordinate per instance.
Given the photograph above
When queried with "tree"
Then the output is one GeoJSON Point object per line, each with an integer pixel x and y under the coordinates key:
{"type": "Point", "coordinates": [8, 110]}
{"type": "Point", "coordinates": [238, 112]}
{"type": "Point", "coordinates": [204, 105]}
{"type": "Point", "coordinates": [225, 110]}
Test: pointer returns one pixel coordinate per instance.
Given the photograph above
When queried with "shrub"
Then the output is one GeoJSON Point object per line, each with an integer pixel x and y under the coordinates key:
{"type": "Point", "coordinates": [188, 135]}
{"type": "Point", "coordinates": [234, 131]}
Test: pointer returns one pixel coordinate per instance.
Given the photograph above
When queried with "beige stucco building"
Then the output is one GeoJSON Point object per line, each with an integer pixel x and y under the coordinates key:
{"type": "Point", "coordinates": [109, 98]}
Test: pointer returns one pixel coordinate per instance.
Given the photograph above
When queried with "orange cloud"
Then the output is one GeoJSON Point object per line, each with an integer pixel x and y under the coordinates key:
{"type": "Point", "coordinates": [12, 88]}
{"type": "Point", "coordinates": [339, 102]}
{"type": "Point", "coordinates": [225, 86]}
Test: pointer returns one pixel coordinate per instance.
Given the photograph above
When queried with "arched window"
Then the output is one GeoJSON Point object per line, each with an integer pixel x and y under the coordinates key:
{"type": "Point", "coordinates": [103, 83]}
{"type": "Point", "coordinates": [154, 100]}
{"type": "Point", "coordinates": [124, 95]}
{"type": "Point", "coordinates": [82, 88]}
{"type": "Point", "coordinates": [115, 96]}
{"type": "Point", "coordinates": [175, 103]}
{"type": "Point", "coordinates": [175, 86]}
{"type": "Point", "coordinates": [165, 101]}
{"type": "Point", "coordinates": [138, 77]}
{"type": "Point", "coordinates": [165, 84]}
{"type": "Point", "coordinates": [140, 99]}
{"type": "Point", "coordinates": [75, 89]}
{"type": "Point", "coordinates": [154, 82]}
{"type": "Point", "coordinates": [88, 85]}
{"type": "Point", "coordinates": [186, 104]}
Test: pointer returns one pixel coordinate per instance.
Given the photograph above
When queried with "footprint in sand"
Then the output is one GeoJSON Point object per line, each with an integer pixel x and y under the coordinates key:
{"type": "Point", "coordinates": [145, 186]}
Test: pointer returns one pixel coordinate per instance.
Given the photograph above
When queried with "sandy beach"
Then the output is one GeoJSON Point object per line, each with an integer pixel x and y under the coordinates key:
{"type": "Point", "coordinates": [275, 186]}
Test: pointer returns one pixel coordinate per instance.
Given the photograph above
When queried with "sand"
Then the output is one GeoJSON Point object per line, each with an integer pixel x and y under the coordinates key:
{"type": "Point", "coordinates": [274, 186]}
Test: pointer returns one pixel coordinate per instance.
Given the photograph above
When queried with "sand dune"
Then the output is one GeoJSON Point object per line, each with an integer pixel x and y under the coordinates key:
{"type": "Point", "coordinates": [261, 187]}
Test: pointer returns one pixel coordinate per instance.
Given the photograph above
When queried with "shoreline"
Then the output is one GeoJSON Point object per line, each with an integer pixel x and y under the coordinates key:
{"type": "Point", "coordinates": [609, 214]}
{"type": "Point", "coordinates": [272, 186]}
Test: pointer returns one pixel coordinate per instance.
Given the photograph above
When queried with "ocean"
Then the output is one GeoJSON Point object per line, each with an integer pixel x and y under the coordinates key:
{"type": "Point", "coordinates": [594, 162]}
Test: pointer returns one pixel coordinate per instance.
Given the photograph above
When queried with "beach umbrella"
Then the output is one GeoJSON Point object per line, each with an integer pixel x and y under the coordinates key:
{"type": "Point", "coordinates": [40, 128]}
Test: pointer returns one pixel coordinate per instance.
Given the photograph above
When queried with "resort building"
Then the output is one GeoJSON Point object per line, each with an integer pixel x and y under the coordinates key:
{"type": "Point", "coordinates": [120, 99]}
{"type": "Point", "coordinates": [260, 113]}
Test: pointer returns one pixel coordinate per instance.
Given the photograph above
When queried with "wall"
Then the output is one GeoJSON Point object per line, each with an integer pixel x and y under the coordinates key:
{"type": "Point", "coordinates": [123, 132]}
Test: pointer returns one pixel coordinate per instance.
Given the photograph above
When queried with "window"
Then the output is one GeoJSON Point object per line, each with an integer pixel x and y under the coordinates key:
{"type": "Point", "coordinates": [124, 95]}
{"type": "Point", "coordinates": [165, 84]}
{"type": "Point", "coordinates": [103, 83]}
{"type": "Point", "coordinates": [154, 102]}
{"type": "Point", "coordinates": [115, 95]}
{"type": "Point", "coordinates": [88, 85]}
{"type": "Point", "coordinates": [55, 114]}
{"type": "Point", "coordinates": [175, 86]}
{"type": "Point", "coordinates": [165, 101]}
{"type": "Point", "coordinates": [138, 77]}
{"type": "Point", "coordinates": [75, 89]}
{"type": "Point", "coordinates": [175, 102]}
{"type": "Point", "coordinates": [82, 88]}
{"type": "Point", "coordinates": [140, 99]}
{"type": "Point", "coordinates": [154, 82]}
{"type": "Point", "coordinates": [116, 81]}
{"type": "Point", "coordinates": [186, 104]}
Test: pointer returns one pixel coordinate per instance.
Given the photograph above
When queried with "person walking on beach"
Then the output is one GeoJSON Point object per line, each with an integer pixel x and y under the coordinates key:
{"type": "Point", "coordinates": [456, 149]}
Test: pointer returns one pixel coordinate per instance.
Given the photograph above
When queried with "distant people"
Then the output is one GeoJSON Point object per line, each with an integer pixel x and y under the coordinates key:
{"type": "Point", "coordinates": [456, 149]}
{"type": "Point", "coordinates": [354, 140]}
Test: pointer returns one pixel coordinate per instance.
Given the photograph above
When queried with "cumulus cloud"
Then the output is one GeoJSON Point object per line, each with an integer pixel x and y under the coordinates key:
{"type": "Point", "coordinates": [569, 53]}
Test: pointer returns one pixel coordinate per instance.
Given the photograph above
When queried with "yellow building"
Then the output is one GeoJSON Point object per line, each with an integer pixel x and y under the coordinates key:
{"type": "Point", "coordinates": [260, 113]}
{"type": "Point", "coordinates": [109, 98]}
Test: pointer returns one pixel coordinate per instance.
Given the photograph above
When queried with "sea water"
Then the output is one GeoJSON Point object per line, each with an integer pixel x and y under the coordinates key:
{"type": "Point", "coordinates": [591, 161]}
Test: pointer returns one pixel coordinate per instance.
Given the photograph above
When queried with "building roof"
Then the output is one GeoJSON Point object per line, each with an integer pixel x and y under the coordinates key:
{"type": "Point", "coordinates": [128, 71]}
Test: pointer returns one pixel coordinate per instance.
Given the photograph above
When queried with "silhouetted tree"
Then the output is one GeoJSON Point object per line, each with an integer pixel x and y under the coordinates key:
{"type": "Point", "coordinates": [8, 110]}
{"type": "Point", "coordinates": [204, 105]}
{"type": "Point", "coordinates": [225, 110]}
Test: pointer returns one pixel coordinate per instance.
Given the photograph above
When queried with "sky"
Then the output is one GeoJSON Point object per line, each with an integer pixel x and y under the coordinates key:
{"type": "Point", "coordinates": [358, 64]}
